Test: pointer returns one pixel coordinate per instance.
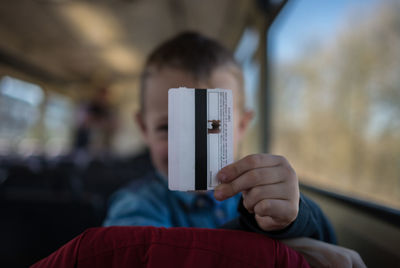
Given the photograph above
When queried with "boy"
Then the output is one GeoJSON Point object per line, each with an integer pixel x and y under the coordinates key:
{"type": "Point", "coordinates": [264, 187]}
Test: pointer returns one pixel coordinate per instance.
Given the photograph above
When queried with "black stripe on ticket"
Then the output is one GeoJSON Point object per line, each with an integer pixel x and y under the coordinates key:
{"type": "Point", "coordinates": [200, 139]}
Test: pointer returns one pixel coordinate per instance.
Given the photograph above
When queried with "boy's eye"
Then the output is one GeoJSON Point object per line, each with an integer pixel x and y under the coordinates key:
{"type": "Point", "coordinates": [162, 128]}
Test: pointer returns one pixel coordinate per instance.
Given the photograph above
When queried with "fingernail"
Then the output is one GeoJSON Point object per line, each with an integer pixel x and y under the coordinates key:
{"type": "Point", "coordinates": [222, 177]}
{"type": "Point", "coordinates": [218, 194]}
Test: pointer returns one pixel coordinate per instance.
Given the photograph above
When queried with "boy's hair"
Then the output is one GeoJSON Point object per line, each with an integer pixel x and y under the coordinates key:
{"type": "Point", "coordinates": [193, 53]}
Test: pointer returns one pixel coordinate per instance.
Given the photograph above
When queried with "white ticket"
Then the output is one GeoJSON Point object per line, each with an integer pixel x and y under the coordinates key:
{"type": "Point", "coordinates": [200, 137]}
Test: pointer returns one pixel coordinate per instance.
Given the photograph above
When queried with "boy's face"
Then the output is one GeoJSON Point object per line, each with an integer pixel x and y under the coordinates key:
{"type": "Point", "coordinates": [154, 121]}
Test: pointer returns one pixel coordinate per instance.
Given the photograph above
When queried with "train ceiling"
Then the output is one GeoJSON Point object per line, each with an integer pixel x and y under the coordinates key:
{"type": "Point", "coordinates": [69, 40]}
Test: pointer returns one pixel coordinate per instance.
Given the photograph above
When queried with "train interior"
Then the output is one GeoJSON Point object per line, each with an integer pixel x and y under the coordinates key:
{"type": "Point", "coordinates": [322, 79]}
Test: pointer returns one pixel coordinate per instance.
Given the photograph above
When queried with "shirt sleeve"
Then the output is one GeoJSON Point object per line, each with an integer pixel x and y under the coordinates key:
{"type": "Point", "coordinates": [130, 209]}
{"type": "Point", "coordinates": [310, 222]}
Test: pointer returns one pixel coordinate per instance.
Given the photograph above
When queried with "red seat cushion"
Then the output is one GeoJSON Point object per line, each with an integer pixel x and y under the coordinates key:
{"type": "Point", "coordinates": [173, 247]}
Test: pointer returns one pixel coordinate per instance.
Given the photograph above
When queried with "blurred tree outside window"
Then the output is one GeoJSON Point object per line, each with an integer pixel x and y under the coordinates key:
{"type": "Point", "coordinates": [58, 122]}
{"type": "Point", "coordinates": [19, 111]}
{"type": "Point", "coordinates": [336, 95]}
{"type": "Point", "coordinates": [246, 55]}
{"type": "Point", "coordinates": [32, 122]}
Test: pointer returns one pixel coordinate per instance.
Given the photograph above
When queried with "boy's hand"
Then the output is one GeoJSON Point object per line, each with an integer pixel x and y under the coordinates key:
{"type": "Point", "coordinates": [269, 187]}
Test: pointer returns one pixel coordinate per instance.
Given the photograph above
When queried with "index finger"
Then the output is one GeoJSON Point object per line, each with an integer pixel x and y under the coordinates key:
{"type": "Point", "coordinates": [234, 170]}
{"type": "Point", "coordinates": [357, 261]}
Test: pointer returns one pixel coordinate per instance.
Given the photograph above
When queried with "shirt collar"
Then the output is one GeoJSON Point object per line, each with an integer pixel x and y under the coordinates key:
{"type": "Point", "coordinates": [189, 199]}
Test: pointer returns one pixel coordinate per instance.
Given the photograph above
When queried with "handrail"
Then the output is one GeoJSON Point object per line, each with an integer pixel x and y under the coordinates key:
{"type": "Point", "coordinates": [386, 214]}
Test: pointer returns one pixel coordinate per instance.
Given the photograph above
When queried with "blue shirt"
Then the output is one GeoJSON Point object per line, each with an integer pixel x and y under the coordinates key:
{"type": "Point", "coordinates": [149, 202]}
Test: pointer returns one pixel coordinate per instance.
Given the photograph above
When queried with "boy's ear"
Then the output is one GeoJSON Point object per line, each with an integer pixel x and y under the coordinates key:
{"type": "Point", "coordinates": [244, 122]}
{"type": "Point", "coordinates": [140, 122]}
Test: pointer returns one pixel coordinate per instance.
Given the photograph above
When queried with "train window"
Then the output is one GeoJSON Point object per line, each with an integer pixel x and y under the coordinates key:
{"type": "Point", "coordinates": [336, 95]}
{"type": "Point", "coordinates": [245, 54]}
{"type": "Point", "coordinates": [19, 111]}
{"type": "Point", "coordinates": [58, 122]}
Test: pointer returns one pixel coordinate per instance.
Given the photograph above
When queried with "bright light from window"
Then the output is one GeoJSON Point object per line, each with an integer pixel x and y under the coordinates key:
{"type": "Point", "coordinates": [21, 90]}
